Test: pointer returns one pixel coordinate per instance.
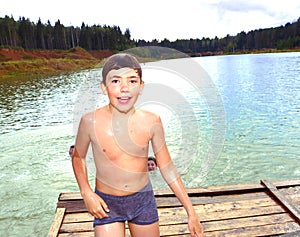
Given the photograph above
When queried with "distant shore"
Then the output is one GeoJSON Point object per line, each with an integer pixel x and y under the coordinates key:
{"type": "Point", "coordinates": [20, 63]}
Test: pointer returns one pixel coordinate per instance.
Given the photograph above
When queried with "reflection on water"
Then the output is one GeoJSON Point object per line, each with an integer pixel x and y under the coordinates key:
{"type": "Point", "coordinates": [37, 102]}
{"type": "Point", "coordinates": [261, 96]}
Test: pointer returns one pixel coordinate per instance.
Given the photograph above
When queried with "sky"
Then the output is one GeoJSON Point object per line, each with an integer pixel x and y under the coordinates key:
{"type": "Point", "coordinates": [161, 19]}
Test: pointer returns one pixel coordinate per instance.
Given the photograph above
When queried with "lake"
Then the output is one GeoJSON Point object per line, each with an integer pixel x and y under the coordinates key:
{"type": "Point", "coordinates": [240, 124]}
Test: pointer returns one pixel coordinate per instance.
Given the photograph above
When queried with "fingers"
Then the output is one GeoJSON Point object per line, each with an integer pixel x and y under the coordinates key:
{"type": "Point", "coordinates": [96, 206]}
{"type": "Point", "coordinates": [102, 209]}
{"type": "Point", "coordinates": [100, 213]}
{"type": "Point", "coordinates": [197, 231]}
{"type": "Point", "coordinates": [104, 205]}
{"type": "Point", "coordinates": [197, 235]}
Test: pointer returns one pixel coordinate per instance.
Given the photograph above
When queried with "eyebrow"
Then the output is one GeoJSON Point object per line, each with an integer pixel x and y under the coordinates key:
{"type": "Point", "coordinates": [117, 76]}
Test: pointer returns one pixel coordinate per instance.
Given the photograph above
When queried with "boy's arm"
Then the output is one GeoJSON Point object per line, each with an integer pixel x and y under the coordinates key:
{"type": "Point", "coordinates": [172, 178]}
{"type": "Point", "coordinates": [93, 202]}
{"type": "Point", "coordinates": [79, 156]}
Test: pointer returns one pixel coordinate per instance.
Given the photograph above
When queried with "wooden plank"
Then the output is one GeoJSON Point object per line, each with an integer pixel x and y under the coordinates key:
{"type": "Point", "coordinates": [78, 217]}
{"type": "Point", "coordinates": [237, 226]}
{"type": "Point", "coordinates": [206, 212]}
{"type": "Point", "coordinates": [77, 227]}
{"type": "Point", "coordinates": [72, 206]}
{"type": "Point", "coordinates": [69, 196]}
{"type": "Point", "coordinates": [281, 228]}
{"type": "Point", "coordinates": [294, 234]}
{"type": "Point", "coordinates": [79, 206]}
{"type": "Point", "coordinates": [282, 200]}
{"type": "Point", "coordinates": [266, 230]}
{"type": "Point", "coordinates": [169, 217]}
{"type": "Point", "coordinates": [229, 205]}
{"type": "Point", "coordinates": [173, 227]}
{"type": "Point", "coordinates": [234, 188]}
{"type": "Point", "coordinates": [234, 210]}
{"type": "Point", "coordinates": [293, 194]}
{"type": "Point", "coordinates": [229, 224]}
{"type": "Point", "coordinates": [57, 222]}
{"type": "Point", "coordinates": [217, 211]}
{"type": "Point", "coordinates": [272, 229]}
{"type": "Point", "coordinates": [209, 207]}
{"type": "Point", "coordinates": [173, 201]}
{"type": "Point", "coordinates": [78, 234]}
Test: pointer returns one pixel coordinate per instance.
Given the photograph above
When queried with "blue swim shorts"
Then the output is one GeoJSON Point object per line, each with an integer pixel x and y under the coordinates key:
{"type": "Point", "coordinates": [138, 208]}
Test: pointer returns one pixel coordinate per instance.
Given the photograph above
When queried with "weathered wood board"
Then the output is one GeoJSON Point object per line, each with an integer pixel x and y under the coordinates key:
{"type": "Point", "coordinates": [264, 209]}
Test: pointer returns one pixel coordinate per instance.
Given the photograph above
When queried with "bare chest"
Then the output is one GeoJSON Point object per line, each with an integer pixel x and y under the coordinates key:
{"type": "Point", "coordinates": [120, 139]}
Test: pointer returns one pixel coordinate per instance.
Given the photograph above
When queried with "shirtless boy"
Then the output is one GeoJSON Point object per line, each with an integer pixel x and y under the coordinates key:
{"type": "Point", "coordinates": [119, 135]}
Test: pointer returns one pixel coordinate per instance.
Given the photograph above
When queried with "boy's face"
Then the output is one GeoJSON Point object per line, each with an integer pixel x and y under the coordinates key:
{"type": "Point", "coordinates": [123, 86]}
{"type": "Point", "coordinates": [151, 165]}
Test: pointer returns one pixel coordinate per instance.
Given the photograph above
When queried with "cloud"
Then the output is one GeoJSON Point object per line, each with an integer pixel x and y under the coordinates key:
{"type": "Point", "coordinates": [242, 6]}
{"type": "Point", "coordinates": [171, 19]}
{"type": "Point", "coordinates": [278, 10]}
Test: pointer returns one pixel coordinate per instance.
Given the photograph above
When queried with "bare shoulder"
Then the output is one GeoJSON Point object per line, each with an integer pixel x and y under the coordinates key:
{"type": "Point", "coordinates": [148, 116]}
{"type": "Point", "coordinates": [90, 117]}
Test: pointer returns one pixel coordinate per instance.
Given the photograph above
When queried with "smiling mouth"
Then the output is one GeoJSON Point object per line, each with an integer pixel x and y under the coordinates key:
{"type": "Point", "coordinates": [124, 99]}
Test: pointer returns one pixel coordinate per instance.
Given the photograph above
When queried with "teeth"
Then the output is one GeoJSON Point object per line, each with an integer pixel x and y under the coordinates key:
{"type": "Point", "coordinates": [124, 99]}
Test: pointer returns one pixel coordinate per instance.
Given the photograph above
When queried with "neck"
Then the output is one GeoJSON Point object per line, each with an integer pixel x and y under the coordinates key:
{"type": "Point", "coordinates": [122, 114]}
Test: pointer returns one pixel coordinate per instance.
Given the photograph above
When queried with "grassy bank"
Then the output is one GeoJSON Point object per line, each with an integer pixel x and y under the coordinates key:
{"type": "Point", "coordinates": [20, 63]}
{"type": "Point", "coordinates": [17, 62]}
{"type": "Point", "coordinates": [42, 67]}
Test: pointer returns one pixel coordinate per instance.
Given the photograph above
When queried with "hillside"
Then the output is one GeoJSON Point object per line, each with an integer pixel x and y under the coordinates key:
{"type": "Point", "coordinates": [17, 62]}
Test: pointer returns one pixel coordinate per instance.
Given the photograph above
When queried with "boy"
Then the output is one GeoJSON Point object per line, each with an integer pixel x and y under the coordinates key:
{"type": "Point", "coordinates": [119, 135]}
{"type": "Point", "coordinates": [71, 150]}
{"type": "Point", "coordinates": [152, 165]}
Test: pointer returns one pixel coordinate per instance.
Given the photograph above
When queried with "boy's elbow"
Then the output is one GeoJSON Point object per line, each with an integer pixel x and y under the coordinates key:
{"type": "Point", "coordinates": [169, 173]}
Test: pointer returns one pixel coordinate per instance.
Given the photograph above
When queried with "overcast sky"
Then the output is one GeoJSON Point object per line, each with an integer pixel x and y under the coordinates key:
{"type": "Point", "coordinates": [160, 19]}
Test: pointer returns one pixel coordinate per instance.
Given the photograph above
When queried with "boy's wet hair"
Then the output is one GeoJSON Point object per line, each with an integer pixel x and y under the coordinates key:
{"type": "Point", "coordinates": [152, 158]}
{"type": "Point", "coordinates": [118, 61]}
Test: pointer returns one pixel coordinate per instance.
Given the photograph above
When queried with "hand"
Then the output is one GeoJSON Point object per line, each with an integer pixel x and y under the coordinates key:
{"type": "Point", "coordinates": [195, 227]}
{"type": "Point", "coordinates": [95, 205]}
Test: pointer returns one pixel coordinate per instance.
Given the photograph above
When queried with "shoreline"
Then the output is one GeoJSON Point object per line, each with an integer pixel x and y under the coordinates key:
{"type": "Point", "coordinates": [18, 63]}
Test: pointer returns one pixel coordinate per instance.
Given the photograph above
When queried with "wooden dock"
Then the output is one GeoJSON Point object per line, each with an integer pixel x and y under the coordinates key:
{"type": "Point", "coordinates": [261, 209]}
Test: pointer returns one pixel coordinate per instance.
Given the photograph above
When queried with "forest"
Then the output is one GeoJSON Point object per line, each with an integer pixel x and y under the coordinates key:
{"type": "Point", "coordinates": [30, 36]}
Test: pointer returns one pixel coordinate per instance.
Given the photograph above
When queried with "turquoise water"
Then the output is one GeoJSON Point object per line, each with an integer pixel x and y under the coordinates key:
{"type": "Point", "coordinates": [260, 95]}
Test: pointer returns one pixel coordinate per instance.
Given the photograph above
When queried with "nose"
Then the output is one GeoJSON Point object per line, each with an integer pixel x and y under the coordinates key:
{"type": "Point", "coordinates": [124, 87]}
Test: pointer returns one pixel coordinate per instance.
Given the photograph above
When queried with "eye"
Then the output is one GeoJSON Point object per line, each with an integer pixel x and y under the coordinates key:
{"type": "Point", "coordinates": [114, 81]}
{"type": "Point", "coordinates": [133, 81]}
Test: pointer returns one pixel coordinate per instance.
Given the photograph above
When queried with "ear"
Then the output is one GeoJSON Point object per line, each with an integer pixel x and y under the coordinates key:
{"type": "Point", "coordinates": [103, 88]}
{"type": "Point", "coordinates": [141, 87]}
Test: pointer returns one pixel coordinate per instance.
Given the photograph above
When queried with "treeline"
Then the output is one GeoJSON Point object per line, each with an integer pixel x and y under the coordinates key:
{"type": "Point", "coordinates": [28, 35]}
{"type": "Point", "coordinates": [280, 38]}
